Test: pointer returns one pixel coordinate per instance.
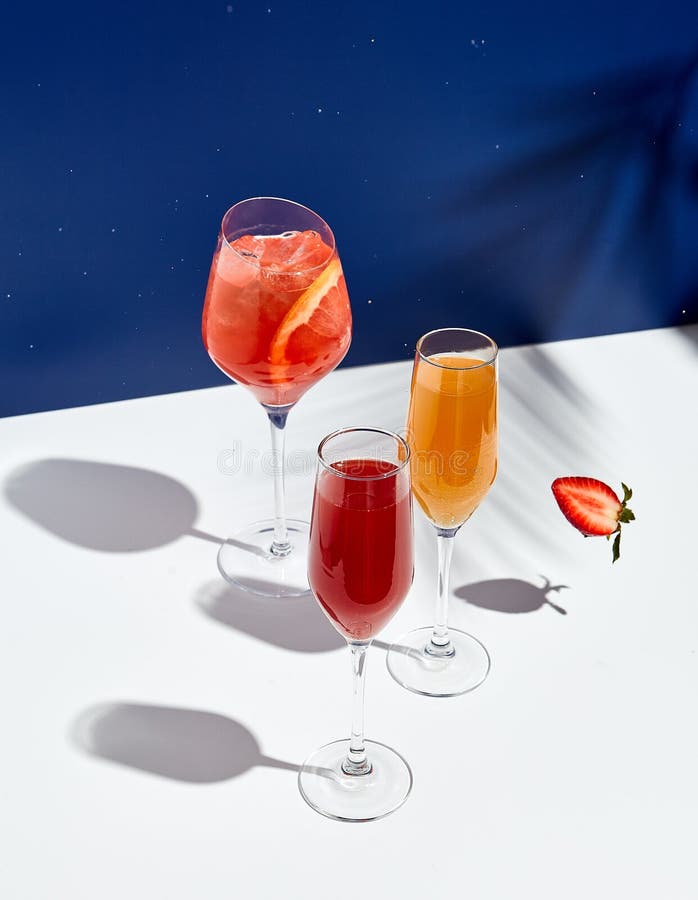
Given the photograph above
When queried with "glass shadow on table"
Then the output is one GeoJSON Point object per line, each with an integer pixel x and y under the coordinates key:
{"type": "Point", "coordinates": [188, 745]}
{"type": "Point", "coordinates": [508, 595]}
{"type": "Point", "coordinates": [104, 506]}
{"type": "Point", "coordinates": [293, 623]}
{"type": "Point", "coordinates": [511, 595]}
{"type": "Point", "coordinates": [123, 509]}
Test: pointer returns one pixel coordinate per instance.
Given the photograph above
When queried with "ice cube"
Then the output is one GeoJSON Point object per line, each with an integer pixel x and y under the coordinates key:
{"type": "Point", "coordinates": [235, 268]}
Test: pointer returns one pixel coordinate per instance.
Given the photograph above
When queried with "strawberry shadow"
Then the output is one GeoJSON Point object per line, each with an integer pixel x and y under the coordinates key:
{"type": "Point", "coordinates": [511, 595]}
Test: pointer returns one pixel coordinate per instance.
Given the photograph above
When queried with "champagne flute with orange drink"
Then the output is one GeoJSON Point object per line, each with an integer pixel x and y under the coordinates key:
{"type": "Point", "coordinates": [276, 319]}
{"type": "Point", "coordinates": [452, 435]}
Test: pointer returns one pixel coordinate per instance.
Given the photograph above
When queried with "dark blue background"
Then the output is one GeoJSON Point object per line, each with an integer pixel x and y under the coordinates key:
{"type": "Point", "coordinates": [526, 169]}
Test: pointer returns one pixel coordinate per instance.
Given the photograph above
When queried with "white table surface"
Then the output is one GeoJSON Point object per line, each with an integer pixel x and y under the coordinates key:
{"type": "Point", "coordinates": [146, 705]}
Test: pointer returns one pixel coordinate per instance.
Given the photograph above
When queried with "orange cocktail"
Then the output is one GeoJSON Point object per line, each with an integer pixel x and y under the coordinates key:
{"type": "Point", "coordinates": [276, 319]}
{"type": "Point", "coordinates": [276, 316]}
{"type": "Point", "coordinates": [452, 435]}
{"type": "Point", "coordinates": [452, 432]}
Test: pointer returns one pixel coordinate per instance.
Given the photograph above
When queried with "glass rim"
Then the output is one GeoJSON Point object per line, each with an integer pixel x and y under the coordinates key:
{"type": "Point", "coordinates": [487, 338]}
{"type": "Point", "coordinates": [254, 264]}
{"type": "Point", "coordinates": [365, 428]}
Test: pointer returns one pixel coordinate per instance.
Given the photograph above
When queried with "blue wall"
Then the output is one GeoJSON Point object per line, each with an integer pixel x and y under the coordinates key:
{"type": "Point", "coordinates": [527, 169]}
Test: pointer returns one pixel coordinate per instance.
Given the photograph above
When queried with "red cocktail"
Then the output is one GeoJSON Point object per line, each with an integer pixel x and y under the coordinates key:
{"type": "Point", "coordinates": [360, 565]}
{"type": "Point", "coordinates": [360, 552]}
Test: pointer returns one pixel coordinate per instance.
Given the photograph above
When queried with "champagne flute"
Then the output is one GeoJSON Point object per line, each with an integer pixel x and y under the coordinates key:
{"type": "Point", "coordinates": [360, 568]}
{"type": "Point", "coordinates": [276, 319]}
{"type": "Point", "coordinates": [452, 433]}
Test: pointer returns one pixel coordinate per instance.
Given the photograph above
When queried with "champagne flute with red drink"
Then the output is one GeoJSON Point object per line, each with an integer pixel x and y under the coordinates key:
{"type": "Point", "coordinates": [276, 319]}
{"type": "Point", "coordinates": [360, 568]}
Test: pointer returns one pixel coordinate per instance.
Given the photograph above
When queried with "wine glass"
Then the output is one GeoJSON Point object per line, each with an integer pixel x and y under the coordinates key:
{"type": "Point", "coordinates": [276, 319]}
{"type": "Point", "coordinates": [360, 567]}
{"type": "Point", "coordinates": [452, 433]}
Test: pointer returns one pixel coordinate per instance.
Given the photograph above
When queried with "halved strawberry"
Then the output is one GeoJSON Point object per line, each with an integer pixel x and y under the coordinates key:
{"type": "Point", "coordinates": [593, 507]}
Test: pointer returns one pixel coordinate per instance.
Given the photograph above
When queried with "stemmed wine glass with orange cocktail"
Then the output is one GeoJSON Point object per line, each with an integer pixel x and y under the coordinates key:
{"type": "Point", "coordinates": [276, 319]}
{"type": "Point", "coordinates": [452, 435]}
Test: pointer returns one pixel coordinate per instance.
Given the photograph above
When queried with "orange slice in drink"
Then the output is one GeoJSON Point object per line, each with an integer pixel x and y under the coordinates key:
{"type": "Point", "coordinates": [317, 317]}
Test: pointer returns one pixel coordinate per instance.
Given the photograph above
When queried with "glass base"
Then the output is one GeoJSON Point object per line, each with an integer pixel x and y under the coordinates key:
{"type": "Point", "coordinates": [433, 676]}
{"type": "Point", "coordinates": [245, 560]}
{"type": "Point", "coordinates": [355, 798]}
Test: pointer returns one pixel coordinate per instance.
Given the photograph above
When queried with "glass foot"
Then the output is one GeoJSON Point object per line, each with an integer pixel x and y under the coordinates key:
{"type": "Point", "coordinates": [245, 560]}
{"type": "Point", "coordinates": [355, 798]}
{"type": "Point", "coordinates": [433, 676]}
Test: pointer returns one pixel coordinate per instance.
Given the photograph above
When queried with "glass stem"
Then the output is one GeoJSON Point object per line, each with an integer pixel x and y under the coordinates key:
{"type": "Point", "coordinates": [356, 762]}
{"type": "Point", "coordinates": [280, 546]}
{"type": "Point", "coordinates": [440, 644]}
